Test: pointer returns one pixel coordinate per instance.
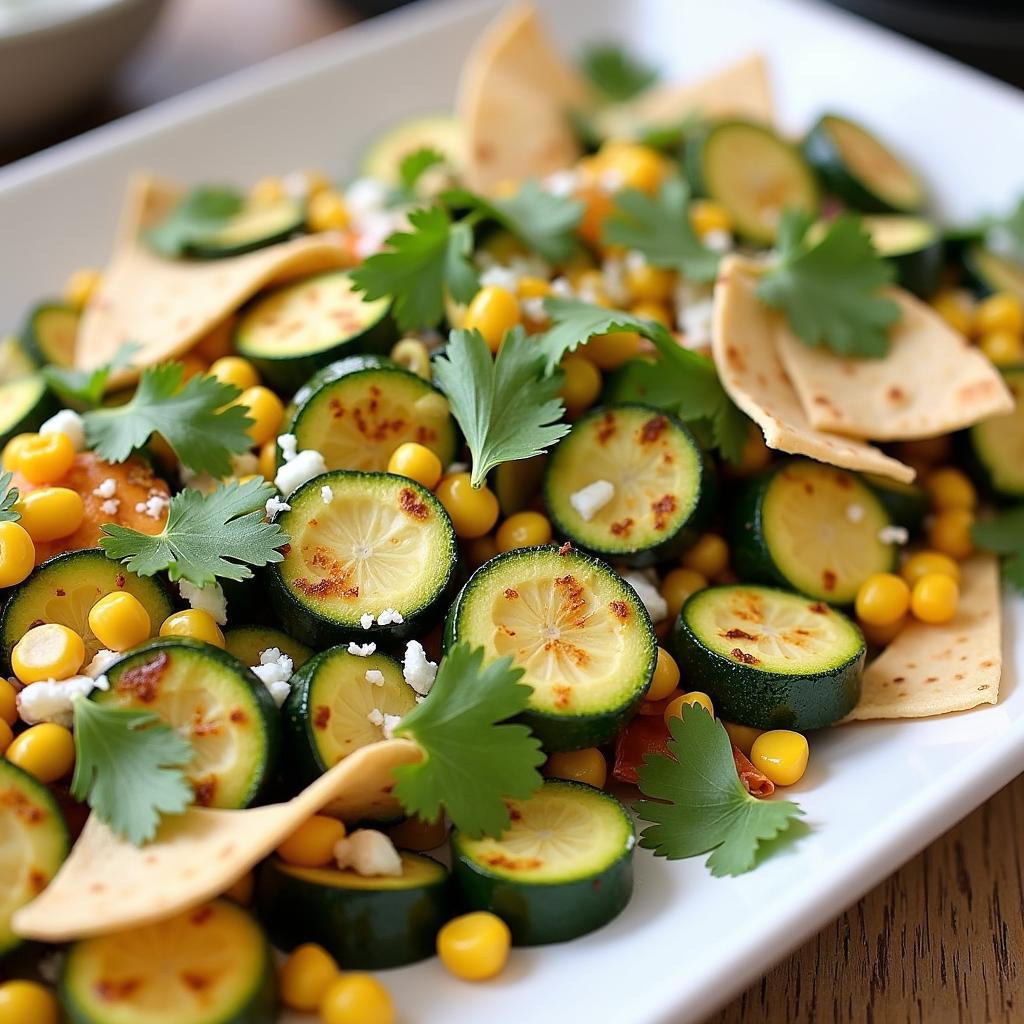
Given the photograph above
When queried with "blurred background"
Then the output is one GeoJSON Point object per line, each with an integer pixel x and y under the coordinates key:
{"type": "Point", "coordinates": [69, 65]}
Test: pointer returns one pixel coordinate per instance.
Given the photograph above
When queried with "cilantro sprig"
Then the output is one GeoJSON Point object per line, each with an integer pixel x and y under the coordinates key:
{"type": "Point", "coordinates": [195, 419]}
{"type": "Point", "coordinates": [200, 213]}
{"type": "Point", "coordinates": [615, 73]}
{"type": "Point", "coordinates": [829, 288]}
{"type": "Point", "coordinates": [86, 387]}
{"type": "Point", "coordinates": [128, 768]}
{"type": "Point", "coordinates": [698, 804]}
{"type": "Point", "coordinates": [222, 533]}
{"type": "Point", "coordinates": [8, 499]}
{"type": "Point", "coordinates": [473, 759]}
{"type": "Point", "coordinates": [1004, 535]}
{"type": "Point", "coordinates": [414, 165]}
{"type": "Point", "coordinates": [507, 407]}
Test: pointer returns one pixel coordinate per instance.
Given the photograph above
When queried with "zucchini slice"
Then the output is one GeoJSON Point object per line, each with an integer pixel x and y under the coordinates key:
{"type": "Point", "coordinates": [255, 226]}
{"type": "Point", "coordinates": [441, 132]}
{"type": "Point", "coordinates": [907, 504]}
{"type": "Point", "coordinates": [516, 484]}
{"type": "Point", "coordinates": [994, 273]}
{"type": "Point", "coordinates": [575, 627]}
{"type": "Point", "coordinates": [24, 404]}
{"type": "Point", "coordinates": [209, 965]}
{"type": "Point", "coordinates": [997, 444]}
{"type": "Point", "coordinates": [913, 246]}
{"type": "Point", "coordinates": [811, 527]}
{"type": "Point", "coordinates": [247, 643]}
{"type": "Point", "coordinates": [860, 169]}
{"type": "Point", "coordinates": [753, 173]}
{"type": "Point", "coordinates": [769, 658]}
{"type": "Point", "coordinates": [15, 360]}
{"type": "Point", "coordinates": [328, 713]}
{"type": "Point", "coordinates": [365, 923]}
{"type": "Point", "coordinates": [563, 868]}
{"type": "Point", "coordinates": [64, 588]}
{"type": "Point", "coordinates": [664, 489]}
{"type": "Point", "coordinates": [293, 330]}
{"type": "Point", "coordinates": [366, 409]}
{"type": "Point", "coordinates": [382, 542]}
{"type": "Point", "coordinates": [33, 844]}
{"type": "Point", "coordinates": [50, 332]}
{"type": "Point", "coordinates": [219, 706]}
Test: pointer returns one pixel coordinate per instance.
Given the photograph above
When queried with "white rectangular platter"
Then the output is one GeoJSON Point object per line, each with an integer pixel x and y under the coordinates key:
{"type": "Point", "coordinates": [875, 793]}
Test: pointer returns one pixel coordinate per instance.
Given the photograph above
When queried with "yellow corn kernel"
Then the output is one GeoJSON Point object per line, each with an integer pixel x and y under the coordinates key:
{"type": "Point", "coordinates": [587, 765]}
{"type": "Point", "coordinates": [475, 946]}
{"type": "Point", "coordinates": [934, 598]}
{"type": "Point", "coordinates": [414, 356]}
{"type": "Point", "coordinates": [305, 976]}
{"type": "Point", "coordinates": [956, 308]}
{"type": "Point", "coordinates": [648, 283]}
{"type": "Point", "coordinates": [12, 451]}
{"type": "Point", "coordinates": [416, 834]}
{"type": "Point", "coordinates": [6, 738]}
{"type": "Point", "coordinates": [742, 736]}
{"type": "Point", "coordinates": [50, 513]}
{"type": "Point", "coordinates": [327, 211]}
{"type": "Point", "coordinates": [235, 370]}
{"type": "Point", "coordinates": [311, 845]}
{"type": "Point", "coordinates": [923, 562]}
{"type": "Point", "coordinates": [950, 488]}
{"type": "Point", "coordinates": [950, 533]}
{"type": "Point", "coordinates": [8, 702]}
{"type": "Point", "coordinates": [119, 621]}
{"type": "Point", "coordinates": [46, 751]}
{"type": "Point", "coordinates": [882, 599]}
{"type": "Point", "coordinates": [265, 409]}
{"type": "Point", "coordinates": [50, 651]}
{"type": "Point", "coordinates": [218, 341]}
{"type": "Point", "coordinates": [674, 708]}
{"type": "Point", "coordinates": [523, 530]}
{"type": "Point", "coordinates": [1003, 348]}
{"type": "Point", "coordinates": [267, 191]}
{"type": "Point", "coordinates": [782, 755]}
{"type": "Point", "coordinates": [17, 554]}
{"type": "Point", "coordinates": [44, 458]}
{"type": "Point", "coordinates": [81, 287]}
{"type": "Point", "coordinates": [356, 998]}
{"type": "Point", "coordinates": [194, 624]}
{"type": "Point", "coordinates": [881, 636]}
{"type": "Point", "coordinates": [665, 678]}
{"type": "Point", "coordinates": [417, 462]}
{"type": "Point", "coordinates": [678, 585]}
{"type": "Point", "coordinates": [267, 461]}
{"type": "Point", "coordinates": [533, 288]}
{"type": "Point", "coordinates": [651, 310]}
{"type": "Point", "coordinates": [473, 511]}
{"type": "Point", "coordinates": [493, 312]}
{"type": "Point", "coordinates": [27, 1002]}
{"type": "Point", "coordinates": [480, 550]}
{"type": "Point", "coordinates": [709, 556]}
{"type": "Point", "coordinates": [637, 166]}
{"type": "Point", "coordinates": [582, 384]}
{"type": "Point", "coordinates": [610, 351]}
{"type": "Point", "coordinates": [707, 216]}
{"type": "Point", "coordinates": [999, 312]}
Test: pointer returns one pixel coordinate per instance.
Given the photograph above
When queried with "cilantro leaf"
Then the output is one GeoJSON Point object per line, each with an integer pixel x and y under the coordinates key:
{"type": "Point", "coordinates": [829, 288]}
{"type": "Point", "coordinates": [414, 164]}
{"type": "Point", "coordinates": [206, 535]}
{"type": "Point", "coordinates": [196, 216]}
{"type": "Point", "coordinates": [196, 420]}
{"type": "Point", "coordinates": [1004, 535]}
{"type": "Point", "coordinates": [545, 223]}
{"type": "Point", "coordinates": [506, 406]}
{"type": "Point", "coordinates": [705, 806]}
{"type": "Point", "coordinates": [418, 266]}
{"type": "Point", "coordinates": [659, 227]}
{"type": "Point", "coordinates": [615, 74]}
{"type": "Point", "coordinates": [128, 768]}
{"type": "Point", "coordinates": [473, 759]}
{"type": "Point", "coordinates": [86, 387]}
{"type": "Point", "coordinates": [8, 499]}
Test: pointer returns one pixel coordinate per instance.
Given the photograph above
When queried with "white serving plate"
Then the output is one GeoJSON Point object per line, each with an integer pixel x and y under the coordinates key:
{"type": "Point", "coordinates": [875, 793]}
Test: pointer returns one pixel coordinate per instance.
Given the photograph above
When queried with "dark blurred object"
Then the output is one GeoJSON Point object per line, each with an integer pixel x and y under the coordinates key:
{"type": "Point", "coordinates": [986, 33]}
{"type": "Point", "coordinates": [370, 8]}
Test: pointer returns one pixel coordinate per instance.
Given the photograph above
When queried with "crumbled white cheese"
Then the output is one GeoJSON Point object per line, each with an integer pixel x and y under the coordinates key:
{"type": "Point", "coordinates": [364, 196]}
{"type": "Point", "coordinates": [53, 700]}
{"type": "Point", "coordinates": [154, 506]}
{"type": "Point", "coordinates": [368, 852]}
{"type": "Point", "coordinates": [275, 671]}
{"type": "Point", "coordinates": [110, 506]}
{"type": "Point", "coordinates": [295, 472]}
{"type": "Point", "coordinates": [389, 616]}
{"type": "Point", "coordinates": [208, 599]}
{"type": "Point", "coordinates": [326, 494]}
{"type": "Point", "coordinates": [457, 467]}
{"type": "Point", "coordinates": [589, 500]}
{"type": "Point", "coordinates": [375, 716]}
{"type": "Point", "coordinates": [635, 260]}
{"type": "Point", "coordinates": [613, 275]}
{"type": "Point", "coordinates": [374, 677]}
{"type": "Point", "coordinates": [695, 323]}
{"type": "Point", "coordinates": [366, 620]}
{"type": "Point", "coordinates": [655, 604]}
{"type": "Point", "coordinates": [202, 482]}
{"type": "Point", "coordinates": [717, 240]}
{"type": "Point", "coordinates": [502, 277]}
{"type": "Point", "coordinates": [289, 445]}
{"type": "Point", "coordinates": [417, 670]}
{"type": "Point", "coordinates": [107, 489]}
{"type": "Point", "coordinates": [533, 308]}
{"type": "Point", "coordinates": [275, 505]}
{"type": "Point", "coordinates": [612, 179]}
{"type": "Point", "coordinates": [562, 183]}
{"type": "Point", "coordinates": [893, 535]}
{"type": "Point", "coordinates": [562, 288]}
{"type": "Point", "coordinates": [361, 650]}
{"type": "Point", "coordinates": [389, 725]}
{"type": "Point", "coordinates": [101, 661]}
{"type": "Point", "coordinates": [68, 423]}
{"type": "Point", "coordinates": [854, 512]}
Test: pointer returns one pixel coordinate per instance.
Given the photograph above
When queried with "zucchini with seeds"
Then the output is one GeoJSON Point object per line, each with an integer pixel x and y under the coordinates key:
{"type": "Point", "coordinates": [247, 643]}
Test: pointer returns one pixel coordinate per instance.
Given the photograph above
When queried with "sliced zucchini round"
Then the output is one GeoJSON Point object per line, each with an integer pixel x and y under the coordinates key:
{"type": "Point", "coordinates": [253, 227]}
{"type": "Point", "coordinates": [811, 527]}
{"type": "Point", "coordinates": [913, 246]}
{"type": "Point", "coordinates": [366, 409]}
{"type": "Point", "coordinates": [216, 703]}
{"type": "Point", "coordinates": [209, 965]}
{"type": "Point", "coordinates": [247, 643]}
{"type": "Point", "coordinates": [24, 404]}
{"type": "Point", "coordinates": [906, 503]}
{"type": "Point", "coordinates": [440, 132]}
{"type": "Point", "coordinates": [769, 658]}
{"type": "Point", "coordinates": [663, 486]}
{"type": "Point", "coordinates": [365, 923]}
{"type": "Point", "coordinates": [563, 868]}
{"type": "Point", "coordinates": [64, 588]}
{"type": "Point", "coordinates": [382, 543]}
{"type": "Point", "coordinates": [992, 272]}
{"type": "Point", "coordinates": [293, 330]}
{"type": "Point", "coordinates": [516, 484]}
{"type": "Point", "coordinates": [753, 173]}
{"type": "Point", "coordinates": [330, 712]}
{"type": "Point", "coordinates": [576, 628]}
{"type": "Point", "coordinates": [860, 169]}
{"type": "Point", "coordinates": [997, 444]}
{"type": "Point", "coordinates": [50, 333]}
{"type": "Point", "coordinates": [15, 359]}
{"type": "Point", "coordinates": [33, 844]}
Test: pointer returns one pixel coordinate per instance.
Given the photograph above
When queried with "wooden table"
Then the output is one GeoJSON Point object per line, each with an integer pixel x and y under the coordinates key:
{"type": "Point", "coordinates": [942, 940]}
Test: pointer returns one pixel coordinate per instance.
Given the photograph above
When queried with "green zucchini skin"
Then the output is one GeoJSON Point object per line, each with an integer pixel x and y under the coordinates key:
{"type": "Point", "coordinates": [26, 404]}
{"type": "Point", "coordinates": [246, 643]}
{"type": "Point", "coordinates": [1000, 474]}
{"type": "Point", "coordinates": [290, 221]}
{"type": "Point", "coordinates": [365, 929]}
{"type": "Point", "coordinates": [49, 331]}
{"type": "Point", "coordinates": [907, 504]}
{"type": "Point", "coordinates": [918, 267]}
{"type": "Point", "coordinates": [441, 132]}
{"type": "Point", "coordinates": [989, 272]}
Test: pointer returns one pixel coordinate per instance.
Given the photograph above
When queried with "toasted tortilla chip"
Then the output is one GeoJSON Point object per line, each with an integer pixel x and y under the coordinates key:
{"type": "Point", "coordinates": [165, 305]}
{"type": "Point", "coordinates": [933, 381]}
{"type": "Point", "coordinates": [739, 90]}
{"type": "Point", "coordinates": [743, 345]}
{"type": "Point", "coordinates": [107, 884]}
{"type": "Point", "coordinates": [514, 97]}
{"type": "Point", "coordinates": [934, 669]}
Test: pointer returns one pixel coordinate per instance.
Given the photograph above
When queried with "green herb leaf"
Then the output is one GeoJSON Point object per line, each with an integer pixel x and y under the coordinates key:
{"type": "Point", "coordinates": [1013, 224]}
{"type": "Point", "coordinates": [128, 768]}
{"type": "Point", "coordinates": [206, 535]}
{"type": "Point", "coordinates": [705, 806]}
{"type": "Point", "coordinates": [414, 164]}
{"type": "Point", "coordinates": [472, 758]}
{"type": "Point", "coordinates": [506, 406]}
{"type": "Point", "coordinates": [1004, 535]}
{"type": "Point", "coordinates": [418, 267]}
{"type": "Point", "coordinates": [829, 288]}
{"type": "Point", "coordinates": [545, 223]}
{"type": "Point", "coordinates": [86, 387]}
{"type": "Point", "coordinates": [8, 499]}
{"type": "Point", "coordinates": [615, 74]}
{"type": "Point", "coordinates": [659, 227]}
{"type": "Point", "coordinates": [196, 420]}
{"type": "Point", "coordinates": [202, 212]}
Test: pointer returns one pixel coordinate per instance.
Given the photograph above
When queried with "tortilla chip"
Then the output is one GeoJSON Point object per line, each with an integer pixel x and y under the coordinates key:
{"type": "Point", "coordinates": [514, 97]}
{"type": "Point", "coordinates": [107, 884]}
{"type": "Point", "coordinates": [739, 90]}
{"type": "Point", "coordinates": [933, 381]}
{"type": "Point", "coordinates": [743, 345]}
{"type": "Point", "coordinates": [165, 305]}
{"type": "Point", "coordinates": [932, 670]}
